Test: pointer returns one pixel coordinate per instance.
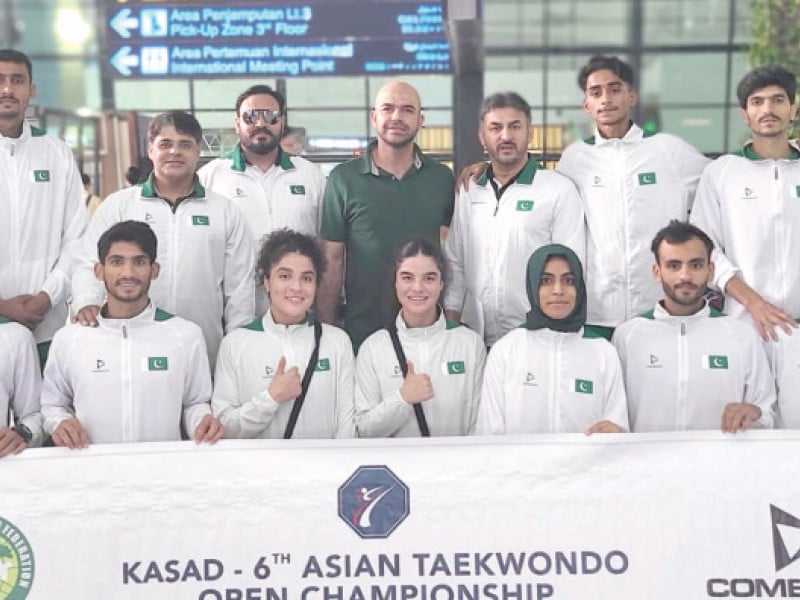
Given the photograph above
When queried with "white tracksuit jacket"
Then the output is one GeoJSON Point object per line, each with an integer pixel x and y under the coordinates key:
{"type": "Point", "coordinates": [247, 360]}
{"type": "Point", "coordinates": [288, 195]}
{"type": "Point", "coordinates": [20, 381]}
{"type": "Point", "coordinates": [452, 356]}
{"type": "Point", "coordinates": [784, 358]}
{"type": "Point", "coordinates": [545, 381]}
{"type": "Point", "coordinates": [490, 241]}
{"type": "Point", "coordinates": [680, 372]}
{"type": "Point", "coordinates": [127, 380]}
{"type": "Point", "coordinates": [204, 250]}
{"type": "Point", "coordinates": [42, 217]}
{"type": "Point", "coordinates": [750, 207]}
{"type": "Point", "coordinates": [630, 187]}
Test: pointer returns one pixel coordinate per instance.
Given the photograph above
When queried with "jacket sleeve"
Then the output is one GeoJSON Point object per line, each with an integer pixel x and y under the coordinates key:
{"type": "Point", "coordinates": [319, 191]}
{"type": "Point", "coordinates": [569, 227]}
{"type": "Point", "coordinates": [615, 403]}
{"type": "Point", "coordinates": [759, 381]}
{"type": "Point", "coordinates": [377, 414]}
{"type": "Point", "coordinates": [57, 392]}
{"type": "Point", "coordinates": [197, 383]}
{"type": "Point", "coordinates": [240, 418]}
{"type": "Point", "coordinates": [455, 254]}
{"type": "Point", "coordinates": [690, 164]}
{"type": "Point", "coordinates": [238, 282]}
{"type": "Point", "coordinates": [477, 384]}
{"type": "Point", "coordinates": [87, 290]}
{"type": "Point", "coordinates": [491, 414]}
{"type": "Point", "coordinates": [707, 215]}
{"type": "Point", "coordinates": [57, 284]}
{"type": "Point", "coordinates": [27, 384]}
{"type": "Point", "coordinates": [345, 390]}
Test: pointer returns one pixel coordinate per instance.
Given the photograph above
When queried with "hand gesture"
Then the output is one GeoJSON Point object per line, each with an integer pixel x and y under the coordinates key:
{"type": "Point", "coordinates": [417, 387]}
{"type": "Point", "coordinates": [286, 385]}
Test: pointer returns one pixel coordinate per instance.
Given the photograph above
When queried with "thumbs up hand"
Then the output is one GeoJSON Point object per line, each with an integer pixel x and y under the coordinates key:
{"type": "Point", "coordinates": [285, 385]}
{"type": "Point", "coordinates": [417, 387]}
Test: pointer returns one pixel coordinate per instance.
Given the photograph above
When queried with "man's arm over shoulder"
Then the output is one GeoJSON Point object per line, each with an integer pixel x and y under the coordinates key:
{"type": "Point", "coordinates": [57, 283]}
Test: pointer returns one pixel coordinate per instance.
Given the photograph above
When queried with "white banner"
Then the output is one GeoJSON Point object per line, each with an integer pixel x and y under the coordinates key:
{"type": "Point", "coordinates": [635, 516]}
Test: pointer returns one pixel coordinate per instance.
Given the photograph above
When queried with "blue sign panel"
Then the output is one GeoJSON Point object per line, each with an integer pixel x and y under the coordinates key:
{"type": "Point", "coordinates": [293, 38]}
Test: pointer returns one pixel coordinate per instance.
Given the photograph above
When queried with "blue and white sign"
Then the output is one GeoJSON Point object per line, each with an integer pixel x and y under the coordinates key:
{"type": "Point", "coordinates": [290, 38]}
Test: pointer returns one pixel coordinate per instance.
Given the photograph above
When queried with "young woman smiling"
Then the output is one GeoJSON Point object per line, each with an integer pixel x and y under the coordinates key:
{"type": "Point", "coordinates": [423, 375]}
{"type": "Point", "coordinates": [286, 375]}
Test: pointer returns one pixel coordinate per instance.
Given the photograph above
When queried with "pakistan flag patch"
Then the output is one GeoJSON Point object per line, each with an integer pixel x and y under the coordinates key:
{"type": "Point", "coordinates": [584, 386]}
{"type": "Point", "coordinates": [455, 367]}
{"type": "Point", "coordinates": [297, 190]}
{"type": "Point", "coordinates": [323, 364]}
{"type": "Point", "coordinates": [42, 175]}
{"type": "Point", "coordinates": [714, 361]}
{"type": "Point", "coordinates": [647, 178]}
{"type": "Point", "coordinates": [157, 363]}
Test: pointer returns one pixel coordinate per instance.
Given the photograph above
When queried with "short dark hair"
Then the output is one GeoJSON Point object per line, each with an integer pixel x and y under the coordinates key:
{"type": "Point", "coordinates": [85, 178]}
{"type": "Point", "coordinates": [18, 58]}
{"type": "Point", "coordinates": [505, 100]}
{"type": "Point", "coordinates": [601, 62]}
{"type": "Point", "coordinates": [254, 90]}
{"type": "Point", "coordinates": [136, 232]}
{"type": "Point", "coordinates": [764, 76]}
{"type": "Point", "coordinates": [182, 121]}
{"type": "Point", "coordinates": [679, 232]}
{"type": "Point", "coordinates": [417, 245]}
{"type": "Point", "coordinates": [284, 241]}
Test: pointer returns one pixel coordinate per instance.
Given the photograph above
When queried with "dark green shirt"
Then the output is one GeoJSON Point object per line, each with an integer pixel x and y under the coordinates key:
{"type": "Point", "coordinates": [373, 213]}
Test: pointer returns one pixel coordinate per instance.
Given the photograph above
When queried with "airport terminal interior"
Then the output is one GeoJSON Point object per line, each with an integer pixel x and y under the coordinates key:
{"type": "Point", "coordinates": [96, 90]}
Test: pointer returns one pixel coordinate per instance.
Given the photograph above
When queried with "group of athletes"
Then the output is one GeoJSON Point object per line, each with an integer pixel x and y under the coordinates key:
{"type": "Point", "coordinates": [256, 299]}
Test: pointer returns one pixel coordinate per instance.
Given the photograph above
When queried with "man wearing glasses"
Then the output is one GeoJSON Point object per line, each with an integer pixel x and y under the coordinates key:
{"type": "Point", "coordinates": [272, 188]}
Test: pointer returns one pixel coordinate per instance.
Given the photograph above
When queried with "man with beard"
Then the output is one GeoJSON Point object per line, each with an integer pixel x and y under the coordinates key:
{"type": "Point", "coordinates": [42, 213]}
{"type": "Point", "coordinates": [749, 203]}
{"type": "Point", "coordinates": [372, 205]}
{"type": "Point", "coordinates": [141, 372]}
{"type": "Point", "coordinates": [515, 207]}
{"type": "Point", "coordinates": [272, 188]}
{"type": "Point", "coordinates": [686, 366]}
{"type": "Point", "coordinates": [207, 258]}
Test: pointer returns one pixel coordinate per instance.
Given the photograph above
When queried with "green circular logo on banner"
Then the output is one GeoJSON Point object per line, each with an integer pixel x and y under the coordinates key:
{"type": "Point", "coordinates": [16, 563]}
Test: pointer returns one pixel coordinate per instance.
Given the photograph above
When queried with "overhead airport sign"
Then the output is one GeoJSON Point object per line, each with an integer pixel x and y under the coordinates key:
{"type": "Point", "coordinates": [293, 38]}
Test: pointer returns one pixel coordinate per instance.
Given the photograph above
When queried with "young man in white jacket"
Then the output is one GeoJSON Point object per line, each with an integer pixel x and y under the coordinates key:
{"type": "Point", "coordinates": [499, 220]}
{"type": "Point", "coordinates": [206, 253]}
{"type": "Point", "coordinates": [687, 366]}
{"type": "Point", "coordinates": [42, 214]}
{"type": "Point", "coordinates": [140, 373]}
{"type": "Point", "coordinates": [632, 183]}
{"type": "Point", "coordinates": [20, 384]}
{"type": "Point", "coordinates": [749, 204]}
{"type": "Point", "coordinates": [272, 188]}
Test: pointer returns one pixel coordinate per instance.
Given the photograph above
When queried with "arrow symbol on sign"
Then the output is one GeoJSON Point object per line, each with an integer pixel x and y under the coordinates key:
{"type": "Point", "coordinates": [123, 22]}
{"type": "Point", "coordinates": [122, 60]}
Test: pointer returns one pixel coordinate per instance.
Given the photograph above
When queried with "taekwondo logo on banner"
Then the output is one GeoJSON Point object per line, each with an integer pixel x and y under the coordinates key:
{"type": "Point", "coordinates": [16, 563]}
{"type": "Point", "coordinates": [373, 501]}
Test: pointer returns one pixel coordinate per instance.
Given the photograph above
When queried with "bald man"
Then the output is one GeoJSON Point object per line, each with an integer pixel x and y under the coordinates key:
{"type": "Point", "coordinates": [374, 203]}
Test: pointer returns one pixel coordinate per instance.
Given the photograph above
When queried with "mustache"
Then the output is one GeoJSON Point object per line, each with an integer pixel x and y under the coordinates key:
{"type": "Point", "coordinates": [769, 116]}
{"type": "Point", "coordinates": [259, 130]}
